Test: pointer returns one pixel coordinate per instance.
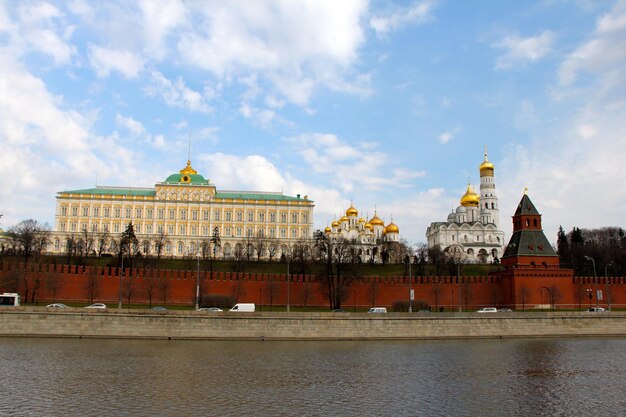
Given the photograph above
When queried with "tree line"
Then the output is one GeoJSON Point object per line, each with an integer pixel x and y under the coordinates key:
{"type": "Point", "coordinates": [606, 246]}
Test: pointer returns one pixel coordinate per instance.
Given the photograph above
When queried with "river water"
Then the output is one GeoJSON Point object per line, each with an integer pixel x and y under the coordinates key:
{"type": "Point", "coordinates": [529, 377]}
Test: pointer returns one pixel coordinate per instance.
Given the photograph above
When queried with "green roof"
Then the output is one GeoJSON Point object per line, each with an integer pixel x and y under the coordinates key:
{"type": "Point", "coordinates": [144, 192]}
{"type": "Point", "coordinates": [193, 179]}
{"type": "Point", "coordinates": [529, 243]}
{"type": "Point", "coordinates": [526, 207]}
{"type": "Point", "coordinates": [242, 195]}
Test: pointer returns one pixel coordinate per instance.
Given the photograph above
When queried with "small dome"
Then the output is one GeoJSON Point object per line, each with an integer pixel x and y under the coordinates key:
{"type": "Point", "coordinates": [335, 224]}
{"type": "Point", "coordinates": [343, 219]}
{"type": "Point", "coordinates": [461, 210]}
{"type": "Point", "coordinates": [470, 198]}
{"type": "Point", "coordinates": [452, 217]}
{"type": "Point", "coordinates": [352, 211]}
{"type": "Point", "coordinates": [376, 221]}
{"type": "Point", "coordinates": [327, 230]}
{"type": "Point", "coordinates": [392, 228]}
{"type": "Point", "coordinates": [361, 220]}
{"type": "Point", "coordinates": [486, 168]}
{"type": "Point", "coordinates": [369, 226]}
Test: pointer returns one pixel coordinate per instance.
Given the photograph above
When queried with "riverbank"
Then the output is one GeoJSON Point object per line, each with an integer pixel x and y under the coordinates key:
{"type": "Point", "coordinates": [142, 324]}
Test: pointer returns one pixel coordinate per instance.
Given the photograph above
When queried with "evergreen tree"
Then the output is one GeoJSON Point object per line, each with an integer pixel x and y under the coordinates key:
{"type": "Point", "coordinates": [563, 248]}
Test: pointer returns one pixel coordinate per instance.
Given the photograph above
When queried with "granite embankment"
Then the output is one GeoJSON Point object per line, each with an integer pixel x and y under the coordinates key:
{"type": "Point", "coordinates": [146, 324]}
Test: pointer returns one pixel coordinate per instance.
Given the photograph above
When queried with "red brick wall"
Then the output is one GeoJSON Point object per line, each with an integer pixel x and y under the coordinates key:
{"type": "Point", "coordinates": [510, 288]}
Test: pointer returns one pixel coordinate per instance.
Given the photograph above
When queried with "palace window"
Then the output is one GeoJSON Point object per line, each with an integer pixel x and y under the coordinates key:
{"type": "Point", "coordinates": [216, 216]}
{"type": "Point", "coordinates": [229, 216]}
{"type": "Point", "coordinates": [183, 214]}
{"type": "Point", "coordinates": [172, 214]}
{"type": "Point", "coordinates": [64, 211]}
{"type": "Point", "coordinates": [161, 214]}
{"type": "Point", "coordinates": [116, 228]}
{"type": "Point", "coordinates": [194, 215]}
{"type": "Point", "coordinates": [168, 248]}
{"type": "Point", "coordinates": [228, 232]}
{"type": "Point", "coordinates": [170, 230]}
{"type": "Point", "coordinates": [160, 229]}
{"type": "Point", "coordinates": [138, 229]}
{"type": "Point", "coordinates": [146, 247]}
{"type": "Point", "coordinates": [138, 213]}
{"type": "Point", "coordinates": [118, 212]}
{"type": "Point", "coordinates": [106, 228]}
{"type": "Point", "coordinates": [273, 217]}
{"type": "Point", "coordinates": [106, 212]}
{"type": "Point", "coordinates": [94, 227]}
{"type": "Point", "coordinates": [250, 232]}
{"type": "Point", "coordinates": [283, 233]}
{"type": "Point", "coordinates": [149, 229]}
{"type": "Point", "coordinates": [63, 227]}
{"type": "Point", "coordinates": [239, 232]}
{"type": "Point", "coordinates": [96, 211]}
{"type": "Point", "coordinates": [205, 215]}
{"type": "Point", "coordinates": [149, 213]}
{"type": "Point", "coordinates": [250, 216]}
{"type": "Point", "coordinates": [74, 211]}
{"type": "Point", "coordinates": [181, 248]}
{"type": "Point", "coordinates": [272, 233]}
{"type": "Point", "coordinates": [56, 244]}
{"type": "Point", "coordinates": [205, 230]}
{"type": "Point", "coordinates": [239, 216]}
{"type": "Point", "coordinates": [261, 217]}
{"type": "Point", "coordinates": [294, 218]}
{"type": "Point", "coordinates": [283, 217]}
{"type": "Point", "coordinates": [73, 227]}
{"type": "Point", "coordinates": [182, 230]}
{"type": "Point", "coordinates": [85, 211]}
{"type": "Point", "coordinates": [128, 212]}
{"type": "Point", "coordinates": [294, 233]}
{"type": "Point", "coordinates": [194, 230]}
{"type": "Point", "coordinates": [305, 218]}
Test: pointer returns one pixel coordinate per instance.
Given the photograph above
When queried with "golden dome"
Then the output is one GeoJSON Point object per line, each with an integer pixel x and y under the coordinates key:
{"type": "Point", "coordinates": [470, 198]}
{"type": "Point", "coordinates": [352, 211]}
{"type": "Point", "coordinates": [368, 226]}
{"type": "Point", "coordinates": [486, 168]}
{"type": "Point", "coordinates": [361, 220]}
{"type": "Point", "coordinates": [327, 230]}
{"type": "Point", "coordinates": [335, 224]}
{"type": "Point", "coordinates": [376, 221]}
{"type": "Point", "coordinates": [343, 219]}
{"type": "Point", "coordinates": [392, 228]}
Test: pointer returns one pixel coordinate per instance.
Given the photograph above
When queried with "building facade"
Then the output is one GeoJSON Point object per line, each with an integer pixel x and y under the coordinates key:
{"type": "Point", "coordinates": [472, 231]}
{"type": "Point", "coordinates": [180, 216]}
{"type": "Point", "coordinates": [369, 237]}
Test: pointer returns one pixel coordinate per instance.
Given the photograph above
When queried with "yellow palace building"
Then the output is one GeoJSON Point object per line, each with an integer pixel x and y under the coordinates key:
{"type": "Point", "coordinates": [179, 217]}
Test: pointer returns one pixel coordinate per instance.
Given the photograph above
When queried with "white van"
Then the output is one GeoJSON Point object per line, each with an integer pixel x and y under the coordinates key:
{"type": "Point", "coordinates": [245, 307]}
{"type": "Point", "coordinates": [377, 310]}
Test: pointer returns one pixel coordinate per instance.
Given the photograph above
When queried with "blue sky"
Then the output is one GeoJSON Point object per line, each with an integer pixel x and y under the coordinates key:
{"type": "Point", "coordinates": [385, 103]}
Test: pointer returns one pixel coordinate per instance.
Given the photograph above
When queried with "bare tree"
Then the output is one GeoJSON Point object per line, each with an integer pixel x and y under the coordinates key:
{"type": "Point", "coordinates": [272, 249]}
{"type": "Point", "coordinates": [305, 292]}
{"type": "Point", "coordinates": [54, 283]}
{"type": "Point", "coordinates": [271, 289]}
{"type": "Point", "coordinates": [159, 244]}
{"type": "Point", "coordinates": [524, 295]}
{"type": "Point", "coordinates": [92, 285]}
{"type": "Point", "coordinates": [29, 238]}
{"type": "Point", "coordinates": [101, 240]}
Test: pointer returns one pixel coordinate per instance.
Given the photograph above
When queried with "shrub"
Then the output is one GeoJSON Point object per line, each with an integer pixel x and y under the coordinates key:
{"type": "Point", "coordinates": [215, 300]}
{"type": "Point", "coordinates": [404, 305]}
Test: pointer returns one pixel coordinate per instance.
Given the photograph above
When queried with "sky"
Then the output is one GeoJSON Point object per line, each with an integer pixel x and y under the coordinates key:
{"type": "Point", "coordinates": [385, 104]}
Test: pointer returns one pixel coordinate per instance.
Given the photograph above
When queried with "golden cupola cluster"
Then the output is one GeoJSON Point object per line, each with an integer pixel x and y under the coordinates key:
{"type": "Point", "coordinates": [352, 211]}
{"type": "Point", "coordinates": [470, 198]}
{"type": "Point", "coordinates": [351, 219]}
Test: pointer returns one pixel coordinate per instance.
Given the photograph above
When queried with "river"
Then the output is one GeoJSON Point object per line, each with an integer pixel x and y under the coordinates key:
{"type": "Point", "coordinates": [514, 377]}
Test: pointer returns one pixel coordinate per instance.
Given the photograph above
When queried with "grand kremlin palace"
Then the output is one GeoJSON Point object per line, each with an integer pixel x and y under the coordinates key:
{"type": "Point", "coordinates": [182, 213]}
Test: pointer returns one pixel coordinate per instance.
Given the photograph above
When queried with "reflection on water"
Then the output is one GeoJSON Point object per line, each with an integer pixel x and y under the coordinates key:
{"type": "Point", "coordinates": [166, 378]}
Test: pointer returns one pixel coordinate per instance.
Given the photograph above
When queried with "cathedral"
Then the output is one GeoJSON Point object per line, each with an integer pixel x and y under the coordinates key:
{"type": "Point", "coordinates": [472, 231]}
{"type": "Point", "coordinates": [369, 236]}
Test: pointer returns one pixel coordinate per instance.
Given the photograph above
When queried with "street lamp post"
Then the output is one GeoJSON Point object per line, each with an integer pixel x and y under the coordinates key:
{"type": "Point", "coordinates": [288, 286]}
{"type": "Point", "coordinates": [606, 288]}
{"type": "Point", "coordinates": [410, 288]}
{"type": "Point", "coordinates": [595, 277]}
{"type": "Point", "coordinates": [198, 282]}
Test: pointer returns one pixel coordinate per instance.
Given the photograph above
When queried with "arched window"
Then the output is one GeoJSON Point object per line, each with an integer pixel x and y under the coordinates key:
{"type": "Point", "coordinates": [181, 248]}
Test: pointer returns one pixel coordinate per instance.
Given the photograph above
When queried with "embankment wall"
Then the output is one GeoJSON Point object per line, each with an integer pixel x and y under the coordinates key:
{"type": "Point", "coordinates": [40, 322]}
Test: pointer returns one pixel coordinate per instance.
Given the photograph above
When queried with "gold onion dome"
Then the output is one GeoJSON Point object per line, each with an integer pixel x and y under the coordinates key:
{"type": "Point", "coordinates": [376, 221]}
{"type": "Point", "coordinates": [352, 211]}
{"type": "Point", "coordinates": [392, 228]}
{"type": "Point", "coordinates": [327, 230]}
{"type": "Point", "coordinates": [470, 198]}
{"type": "Point", "coordinates": [343, 219]}
{"type": "Point", "coordinates": [361, 220]}
{"type": "Point", "coordinates": [486, 168]}
{"type": "Point", "coordinates": [335, 224]}
{"type": "Point", "coordinates": [369, 226]}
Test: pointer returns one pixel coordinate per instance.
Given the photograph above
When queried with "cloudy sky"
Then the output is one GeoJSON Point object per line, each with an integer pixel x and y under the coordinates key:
{"type": "Point", "coordinates": [385, 103]}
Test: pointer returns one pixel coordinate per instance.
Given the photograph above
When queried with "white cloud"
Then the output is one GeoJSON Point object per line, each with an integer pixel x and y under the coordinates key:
{"type": "Point", "coordinates": [176, 93]}
{"type": "Point", "coordinates": [105, 60]}
{"type": "Point", "coordinates": [521, 50]}
{"type": "Point", "coordinates": [418, 12]}
{"type": "Point", "coordinates": [350, 166]}
{"type": "Point", "coordinates": [137, 129]}
{"type": "Point", "coordinates": [447, 136]}
{"type": "Point", "coordinates": [265, 118]}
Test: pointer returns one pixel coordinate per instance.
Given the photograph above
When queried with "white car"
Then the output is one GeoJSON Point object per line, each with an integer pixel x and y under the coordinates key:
{"type": "Point", "coordinates": [377, 310]}
{"type": "Point", "coordinates": [210, 309]}
{"type": "Point", "coordinates": [56, 305]}
{"type": "Point", "coordinates": [488, 310]}
{"type": "Point", "coordinates": [598, 309]}
{"type": "Point", "coordinates": [97, 305]}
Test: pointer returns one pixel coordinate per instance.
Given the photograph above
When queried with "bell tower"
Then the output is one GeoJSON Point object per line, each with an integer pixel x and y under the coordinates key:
{"type": "Point", "coordinates": [489, 210]}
